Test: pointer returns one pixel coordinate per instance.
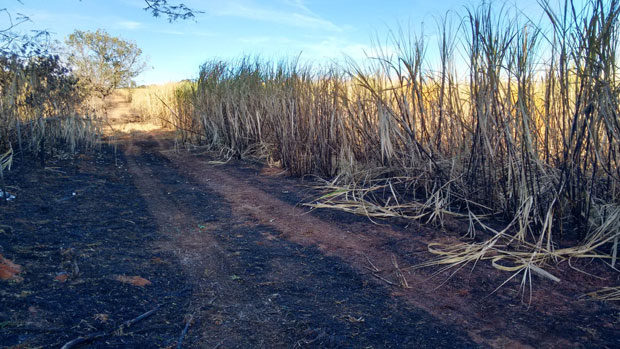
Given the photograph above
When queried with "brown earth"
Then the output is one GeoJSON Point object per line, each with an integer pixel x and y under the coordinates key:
{"type": "Point", "coordinates": [227, 257]}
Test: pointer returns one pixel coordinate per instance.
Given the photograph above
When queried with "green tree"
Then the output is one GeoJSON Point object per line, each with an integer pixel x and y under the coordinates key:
{"type": "Point", "coordinates": [103, 62]}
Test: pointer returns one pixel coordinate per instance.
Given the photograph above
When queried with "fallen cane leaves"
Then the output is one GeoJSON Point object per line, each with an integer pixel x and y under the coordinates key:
{"type": "Point", "coordinates": [102, 317]}
{"type": "Point", "coordinates": [9, 270]}
{"type": "Point", "coordinates": [62, 277]}
{"type": "Point", "coordinates": [402, 280]}
{"type": "Point", "coordinates": [133, 280]}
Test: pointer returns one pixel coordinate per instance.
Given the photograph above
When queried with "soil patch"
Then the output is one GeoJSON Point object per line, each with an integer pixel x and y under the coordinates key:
{"type": "Point", "coordinates": [77, 225]}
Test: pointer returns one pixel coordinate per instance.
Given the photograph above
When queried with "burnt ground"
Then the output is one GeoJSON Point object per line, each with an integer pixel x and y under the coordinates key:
{"type": "Point", "coordinates": [232, 260]}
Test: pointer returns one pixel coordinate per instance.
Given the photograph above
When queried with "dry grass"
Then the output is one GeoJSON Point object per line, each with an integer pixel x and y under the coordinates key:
{"type": "Point", "coordinates": [158, 103]}
{"type": "Point", "coordinates": [606, 294]}
{"type": "Point", "coordinates": [41, 108]}
{"type": "Point", "coordinates": [527, 133]}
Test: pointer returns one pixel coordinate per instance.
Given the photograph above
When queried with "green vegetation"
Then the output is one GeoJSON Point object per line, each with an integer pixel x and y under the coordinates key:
{"type": "Point", "coordinates": [528, 133]}
{"type": "Point", "coordinates": [102, 62]}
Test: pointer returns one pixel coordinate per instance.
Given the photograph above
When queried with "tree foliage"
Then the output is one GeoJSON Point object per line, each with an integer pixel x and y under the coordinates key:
{"type": "Point", "coordinates": [15, 43]}
{"type": "Point", "coordinates": [173, 11]}
{"type": "Point", "coordinates": [103, 62]}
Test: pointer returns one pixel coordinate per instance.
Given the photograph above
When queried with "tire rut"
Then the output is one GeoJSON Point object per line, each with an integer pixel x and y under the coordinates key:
{"type": "Point", "coordinates": [254, 284]}
{"type": "Point", "coordinates": [204, 260]}
{"type": "Point", "coordinates": [366, 248]}
{"type": "Point", "coordinates": [364, 252]}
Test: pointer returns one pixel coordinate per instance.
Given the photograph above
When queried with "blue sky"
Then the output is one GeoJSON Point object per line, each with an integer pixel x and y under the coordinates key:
{"type": "Point", "coordinates": [318, 29]}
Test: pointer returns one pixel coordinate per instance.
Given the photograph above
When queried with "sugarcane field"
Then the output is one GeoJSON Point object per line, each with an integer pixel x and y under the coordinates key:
{"type": "Point", "coordinates": [309, 174]}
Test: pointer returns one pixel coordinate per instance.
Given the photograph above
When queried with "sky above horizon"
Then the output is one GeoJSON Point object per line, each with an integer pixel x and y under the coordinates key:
{"type": "Point", "coordinates": [318, 30]}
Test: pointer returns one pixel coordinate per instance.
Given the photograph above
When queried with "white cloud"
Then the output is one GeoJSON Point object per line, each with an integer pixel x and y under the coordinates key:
{"type": "Point", "coordinates": [335, 47]}
{"type": "Point", "coordinates": [299, 16]}
{"type": "Point", "coordinates": [204, 34]}
{"type": "Point", "coordinates": [297, 4]}
{"type": "Point", "coordinates": [131, 25]}
{"type": "Point", "coordinates": [330, 47]}
{"type": "Point", "coordinates": [262, 40]}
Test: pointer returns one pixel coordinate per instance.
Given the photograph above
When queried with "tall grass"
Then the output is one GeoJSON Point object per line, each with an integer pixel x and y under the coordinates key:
{"type": "Point", "coordinates": [524, 129]}
{"type": "Point", "coordinates": [162, 104]}
{"type": "Point", "coordinates": [41, 107]}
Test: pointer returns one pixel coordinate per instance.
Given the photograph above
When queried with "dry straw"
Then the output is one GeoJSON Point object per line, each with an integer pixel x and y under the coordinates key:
{"type": "Point", "coordinates": [524, 129]}
{"type": "Point", "coordinates": [41, 107]}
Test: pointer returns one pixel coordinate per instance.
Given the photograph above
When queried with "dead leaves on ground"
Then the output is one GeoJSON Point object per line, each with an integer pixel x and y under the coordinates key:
{"type": "Point", "coordinates": [9, 270]}
{"type": "Point", "coordinates": [401, 280]}
{"type": "Point", "coordinates": [133, 280]}
{"type": "Point", "coordinates": [102, 317]}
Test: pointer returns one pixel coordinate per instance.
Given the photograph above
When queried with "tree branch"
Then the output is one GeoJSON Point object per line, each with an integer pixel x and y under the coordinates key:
{"type": "Point", "coordinates": [174, 12]}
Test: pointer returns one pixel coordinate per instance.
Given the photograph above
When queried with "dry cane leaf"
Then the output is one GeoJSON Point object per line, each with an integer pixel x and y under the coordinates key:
{"type": "Point", "coordinates": [9, 270]}
{"type": "Point", "coordinates": [133, 280]}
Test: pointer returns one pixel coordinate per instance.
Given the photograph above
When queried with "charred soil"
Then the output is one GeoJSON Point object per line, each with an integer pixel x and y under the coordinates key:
{"type": "Point", "coordinates": [223, 256]}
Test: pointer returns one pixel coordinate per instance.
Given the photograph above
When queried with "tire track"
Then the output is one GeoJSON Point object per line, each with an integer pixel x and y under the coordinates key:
{"type": "Point", "coordinates": [255, 284]}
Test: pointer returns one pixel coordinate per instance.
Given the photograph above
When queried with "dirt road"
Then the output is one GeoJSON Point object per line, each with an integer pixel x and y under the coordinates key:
{"type": "Point", "coordinates": [233, 261]}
